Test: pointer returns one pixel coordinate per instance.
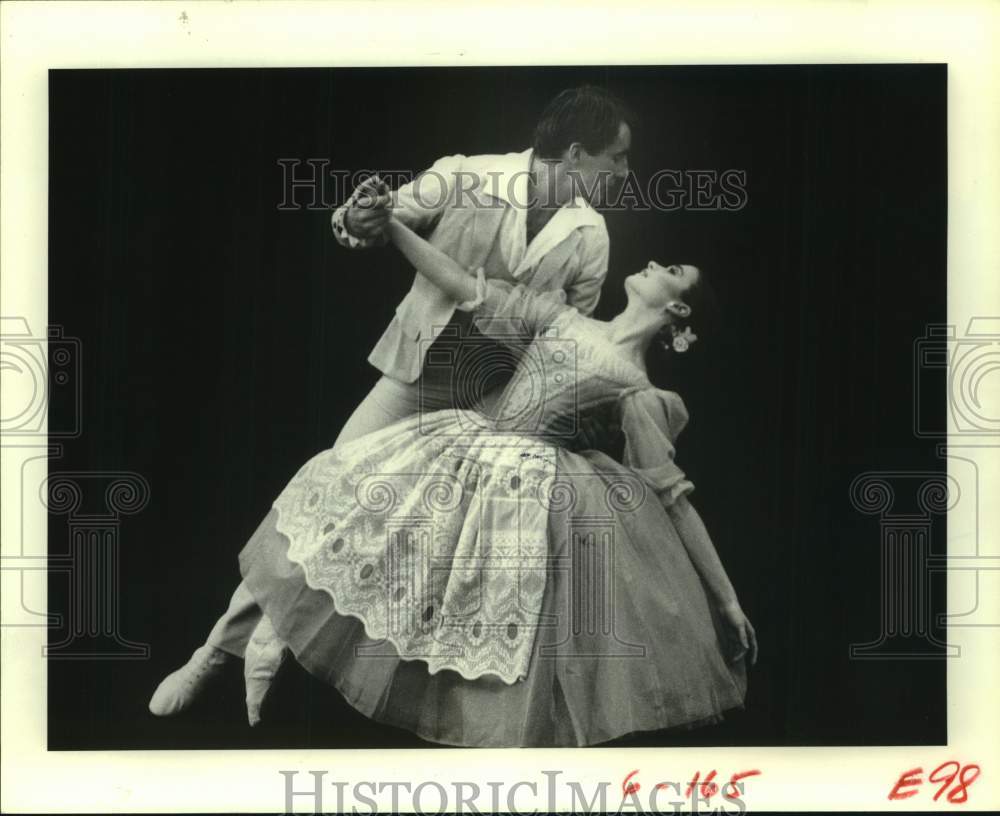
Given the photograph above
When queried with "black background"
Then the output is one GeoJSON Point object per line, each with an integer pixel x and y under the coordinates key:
{"type": "Point", "coordinates": [224, 342]}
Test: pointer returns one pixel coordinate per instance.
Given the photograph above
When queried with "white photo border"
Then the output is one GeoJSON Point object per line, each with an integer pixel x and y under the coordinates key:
{"type": "Point", "coordinates": [37, 37]}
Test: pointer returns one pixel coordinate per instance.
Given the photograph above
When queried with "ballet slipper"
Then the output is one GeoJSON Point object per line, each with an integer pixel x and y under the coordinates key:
{"type": "Point", "coordinates": [179, 690]}
{"type": "Point", "coordinates": [264, 655]}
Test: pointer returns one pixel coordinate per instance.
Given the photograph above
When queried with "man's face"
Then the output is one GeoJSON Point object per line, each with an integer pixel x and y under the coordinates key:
{"type": "Point", "coordinates": [598, 176]}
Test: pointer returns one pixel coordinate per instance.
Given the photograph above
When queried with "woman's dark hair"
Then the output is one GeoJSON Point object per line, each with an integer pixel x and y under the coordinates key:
{"type": "Point", "coordinates": [703, 321]}
{"type": "Point", "coordinates": [700, 374]}
{"type": "Point", "coordinates": [589, 115]}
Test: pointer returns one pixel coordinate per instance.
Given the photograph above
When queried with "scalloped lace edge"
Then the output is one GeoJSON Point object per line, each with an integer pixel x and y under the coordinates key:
{"type": "Point", "coordinates": [434, 665]}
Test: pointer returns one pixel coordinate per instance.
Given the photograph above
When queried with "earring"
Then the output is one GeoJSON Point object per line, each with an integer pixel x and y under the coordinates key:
{"type": "Point", "coordinates": [679, 308]}
{"type": "Point", "coordinates": [682, 339]}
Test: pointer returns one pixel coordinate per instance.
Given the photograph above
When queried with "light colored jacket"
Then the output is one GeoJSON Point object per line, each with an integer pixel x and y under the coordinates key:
{"type": "Point", "coordinates": [473, 208]}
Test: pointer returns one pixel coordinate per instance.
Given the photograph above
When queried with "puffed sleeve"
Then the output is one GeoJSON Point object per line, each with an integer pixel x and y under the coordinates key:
{"type": "Point", "coordinates": [651, 422]}
{"type": "Point", "coordinates": [513, 314]}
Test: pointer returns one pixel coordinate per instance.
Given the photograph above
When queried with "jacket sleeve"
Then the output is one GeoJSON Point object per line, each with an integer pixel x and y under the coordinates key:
{"type": "Point", "coordinates": [651, 422]}
{"type": "Point", "coordinates": [585, 290]}
{"type": "Point", "coordinates": [418, 203]}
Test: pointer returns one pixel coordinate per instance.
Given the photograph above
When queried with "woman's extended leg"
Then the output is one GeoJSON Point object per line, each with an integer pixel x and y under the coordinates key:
{"type": "Point", "coordinates": [232, 631]}
{"type": "Point", "coordinates": [226, 642]}
{"type": "Point", "coordinates": [388, 402]}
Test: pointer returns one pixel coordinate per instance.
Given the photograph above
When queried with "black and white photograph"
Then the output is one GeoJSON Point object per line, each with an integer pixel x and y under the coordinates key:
{"type": "Point", "coordinates": [549, 445]}
{"type": "Point", "coordinates": [607, 405]}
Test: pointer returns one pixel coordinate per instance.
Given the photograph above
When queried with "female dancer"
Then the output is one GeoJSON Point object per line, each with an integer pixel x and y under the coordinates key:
{"type": "Point", "coordinates": [473, 581]}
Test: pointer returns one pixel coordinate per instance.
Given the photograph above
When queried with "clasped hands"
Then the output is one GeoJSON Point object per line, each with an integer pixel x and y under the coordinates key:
{"type": "Point", "coordinates": [370, 209]}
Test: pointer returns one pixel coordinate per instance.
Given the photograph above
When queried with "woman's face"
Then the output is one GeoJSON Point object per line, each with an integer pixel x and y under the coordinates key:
{"type": "Point", "coordinates": [657, 285]}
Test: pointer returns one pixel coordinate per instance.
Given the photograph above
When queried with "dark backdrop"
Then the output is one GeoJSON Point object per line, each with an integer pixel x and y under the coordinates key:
{"type": "Point", "coordinates": [224, 343]}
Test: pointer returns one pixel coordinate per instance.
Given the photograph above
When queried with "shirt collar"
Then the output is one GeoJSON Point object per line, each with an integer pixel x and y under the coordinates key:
{"type": "Point", "coordinates": [507, 178]}
{"type": "Point", "coordinates": [508, 181]}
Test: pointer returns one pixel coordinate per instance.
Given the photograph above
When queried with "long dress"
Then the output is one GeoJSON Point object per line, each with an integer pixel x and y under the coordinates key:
{"type": "Point", "coordinates": [471, 580]}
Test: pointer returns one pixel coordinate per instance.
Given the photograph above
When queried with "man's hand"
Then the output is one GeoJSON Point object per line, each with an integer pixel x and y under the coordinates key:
{"type": "Point", "coordinates": [371, 210]}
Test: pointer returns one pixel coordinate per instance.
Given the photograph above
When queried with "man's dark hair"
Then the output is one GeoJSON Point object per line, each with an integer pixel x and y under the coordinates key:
{"type": "Point", "coordinates": [589, 115]}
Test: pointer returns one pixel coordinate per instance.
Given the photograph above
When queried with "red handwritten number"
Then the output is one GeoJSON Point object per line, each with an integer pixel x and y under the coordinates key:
{"type": "Point", "coordinates": [946, 774]}
{"type": "Point", "coordinates": [946, 779]}
{"type": "Point", "coordinates": [736, 777]}
{"type": "Point", "coordinates": [907, 779]}
{"type": "Point", "coordinates": [961, 789]}
{"type": "Point", "coordinates": [708, 787]}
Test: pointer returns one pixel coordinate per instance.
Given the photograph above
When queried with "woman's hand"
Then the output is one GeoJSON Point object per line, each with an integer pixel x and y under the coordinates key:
{"type": "Point", "coordinates": [739, 632]}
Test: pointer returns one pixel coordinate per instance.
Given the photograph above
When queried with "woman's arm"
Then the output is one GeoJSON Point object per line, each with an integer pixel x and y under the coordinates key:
{"type": "Point", "coordinates": [432, 263]}
{"type": "Point", "coordinates": [706, 560]}
{"type": "Point", "coordinates": [702, 551]}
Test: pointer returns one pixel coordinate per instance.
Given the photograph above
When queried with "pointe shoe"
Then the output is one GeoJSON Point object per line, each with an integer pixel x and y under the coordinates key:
{"type": "Point", "coordinates": [264, 655]}
{"type": "Point", "coordinates": [179, 690]}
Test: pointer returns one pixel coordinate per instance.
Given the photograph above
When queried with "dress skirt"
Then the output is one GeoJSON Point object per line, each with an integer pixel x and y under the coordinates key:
{"type": "Point", "coordinates": [627, 639]}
